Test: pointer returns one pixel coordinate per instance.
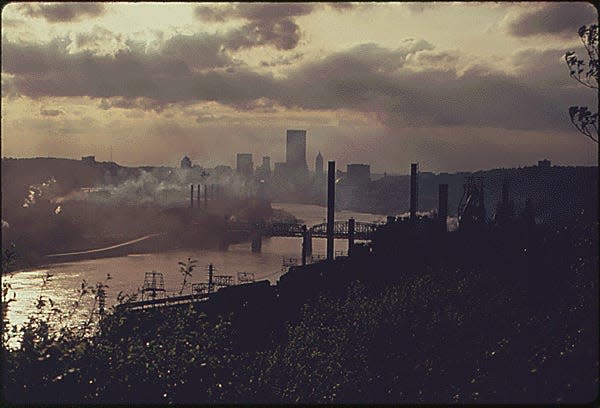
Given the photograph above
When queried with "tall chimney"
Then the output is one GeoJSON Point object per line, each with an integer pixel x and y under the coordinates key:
{"type": "Point", "coordinates": [330, 207]}
{"type": "Point", "coordinates": [304, 244]}
{"type": "Point", "coordinates": [414, 190]}
{"type": "Point", "coordinates": [198, 196]}
{"type": "Point", "coordinates": [192, 196]}
{"type": "Point", "coordinates": [443, 205]}
{"type": "Point", "coordinates": [350, 236]}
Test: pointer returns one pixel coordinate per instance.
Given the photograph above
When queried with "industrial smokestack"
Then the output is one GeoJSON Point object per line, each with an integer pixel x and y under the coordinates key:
{"type": "Point", "coordinates": [192, 196]}
{"type": "Point", "coordinates": [330, 207]}
{"type": "Point", "coordinates": [304, 244]}
{"type": "Point", "coordinates": [198, 196]}
{"type": "Point", "coordinates": [443, 205]}
{"type": "Point", "coordinates": [350, 236]}
{"type": "Point", "coordinates": [414, 190]}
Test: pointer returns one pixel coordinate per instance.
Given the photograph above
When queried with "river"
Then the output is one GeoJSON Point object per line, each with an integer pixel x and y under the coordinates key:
{"type": "Point", "coordinates": [127, 272]}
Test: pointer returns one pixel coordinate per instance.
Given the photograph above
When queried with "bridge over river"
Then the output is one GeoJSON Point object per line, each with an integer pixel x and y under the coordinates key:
{"type": "Point", "coordinates": [350, 230]}
{"type": "Point", "coordinates": [362, 230]}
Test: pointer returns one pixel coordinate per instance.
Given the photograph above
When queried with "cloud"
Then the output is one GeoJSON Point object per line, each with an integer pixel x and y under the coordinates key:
{"type": "Point", "coordinates": [372, 79]}
{"type": "Point", "coordinates": [144, 104]}
{"type": "Point", "coordinates": [197, 51]}
{"type": "Point", "coordinates": [366, 78]}
{"type": "Point", "coordinates": [559, 19]}
{"type": "Point", "coordinates": [12, 22]}
{"type": "Point", "coordinates": [253, 11]}
{"type": "Point", "coordinates": [50, 112]}
{"type": "Point", "coordinates": [281, 60]}
{"type": "Point", "coordinates": [62, 12]}
{"type": "Point", "coordinates": [266, 24]}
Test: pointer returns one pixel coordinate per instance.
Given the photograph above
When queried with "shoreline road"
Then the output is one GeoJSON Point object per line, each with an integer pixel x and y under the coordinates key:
{"type": "Point", "coordinates": [92, 251]}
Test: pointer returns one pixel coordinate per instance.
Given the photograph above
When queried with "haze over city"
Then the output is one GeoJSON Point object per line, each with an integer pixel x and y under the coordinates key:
{"type": "Point", "coordinates": [452, 86]}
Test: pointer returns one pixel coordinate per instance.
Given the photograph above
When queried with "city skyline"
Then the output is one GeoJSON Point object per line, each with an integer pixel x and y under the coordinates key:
{"type": "Point", "coordinates": [455, 87]}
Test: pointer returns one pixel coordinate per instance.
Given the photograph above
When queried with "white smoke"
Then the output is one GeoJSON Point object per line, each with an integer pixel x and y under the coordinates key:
{"type": "Point", "coordinates": [163, 188]}
{"type": "Point", "coordinates": [36, 191]}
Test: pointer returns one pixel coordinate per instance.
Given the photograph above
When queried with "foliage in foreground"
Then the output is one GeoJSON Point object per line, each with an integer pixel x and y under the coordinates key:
{"type": "Point", "coordinates": [442, 336]}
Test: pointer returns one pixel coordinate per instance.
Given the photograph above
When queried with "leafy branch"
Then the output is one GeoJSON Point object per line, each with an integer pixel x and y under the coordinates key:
{"type": "Point", "coordinates": [586, 74]}
{"type": "Point", "coordinates": [186, 268]}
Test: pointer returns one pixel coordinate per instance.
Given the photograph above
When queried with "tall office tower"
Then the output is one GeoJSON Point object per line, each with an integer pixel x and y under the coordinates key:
{"type": "Point", "coordinates": [266, 166]}
{"type": "Point", "coordinates": [319, 166]}
{"type": "Point", "coordinates": [295, 153]}
{"type": "Point", "coordinates": [244, 164]}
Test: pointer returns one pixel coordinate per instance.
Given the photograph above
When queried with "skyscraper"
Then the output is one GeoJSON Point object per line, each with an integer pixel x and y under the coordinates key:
{"type": "Point", "coordinates": [266, 165]}
{"type": "Point", "coordinates": [319, 166]}
{"type": "Point", "coordinates": [264, 171]}
{"type": "Point", "coordinates": [244, 164]}
{"type": "Point", "coordinates": [295, 154]}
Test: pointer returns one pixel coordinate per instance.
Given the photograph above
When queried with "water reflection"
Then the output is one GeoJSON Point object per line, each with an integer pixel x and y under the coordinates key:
{"type": "Point", "coordinates": [127, 272]}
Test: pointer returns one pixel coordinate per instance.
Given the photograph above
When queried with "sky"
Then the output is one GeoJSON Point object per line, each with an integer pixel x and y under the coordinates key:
{"type": "Point", "coordinates": [453, 86]}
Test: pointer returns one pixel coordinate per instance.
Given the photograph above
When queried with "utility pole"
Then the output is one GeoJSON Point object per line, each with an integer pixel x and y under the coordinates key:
{"type": "Point", "coordinates": [210, 278]}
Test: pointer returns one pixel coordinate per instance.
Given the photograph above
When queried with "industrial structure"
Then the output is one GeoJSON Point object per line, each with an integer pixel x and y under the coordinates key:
{"type": "Point", "coordinates": [417, 239]}
{"type": "Point", "coordinates": [414, 190]}
{"type": "Point", "coordinates": [471, 209]}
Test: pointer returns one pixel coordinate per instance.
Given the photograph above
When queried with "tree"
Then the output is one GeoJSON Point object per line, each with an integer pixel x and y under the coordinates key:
{"type": "Point", "coordinates": [586, 74]}
{"type": "Point", "coordinates": [186, 268]}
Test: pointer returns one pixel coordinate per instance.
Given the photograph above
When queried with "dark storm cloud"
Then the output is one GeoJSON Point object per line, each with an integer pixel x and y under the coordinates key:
{"type": "Point", "coordinates": [50, 112]}
{"type": "Point", "coordinates": [280, 60]}
{"type": "Point", "coordinates": [369, 78]}
{"type": "Point", "coordinates": [561, 19]}
{"type": "Point", "coordinates": [63, 12]}
{"type": "Point", "coordinates": [366, 78]}
{"type": "Point", "coordinates": [282, 34]}
{"type": "Point", "coordinates": [267, 24]}
{"type": "Point", "coordinates": [198, 51]}
{"type": "Point", "coordinates": [253, 11]}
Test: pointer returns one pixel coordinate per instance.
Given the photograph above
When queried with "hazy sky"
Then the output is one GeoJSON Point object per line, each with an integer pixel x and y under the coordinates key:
{"type": "Point", "coordinates": [453, 86]}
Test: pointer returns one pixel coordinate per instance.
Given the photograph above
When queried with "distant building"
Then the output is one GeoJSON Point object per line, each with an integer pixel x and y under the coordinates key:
{"type": "Point", "coordinates": [319, 166]}
{"type": "Point", "coordinates": [222, 170]}
{"type": "Point", "coordinates": [186, 163]}
{"type": "Point", "coordinates": [357, 174]}
{"type": "Point", "coordinates": [279, 170]}
{"type": "Point", "coordinates": [244, 164]}
{"type": "Point", "coordinates": [263, 172]}
{"type": "Point", "coordinates": [266, 167]}
{"type": "Point", "coordinates": [544, 163]}
{"type": "Point", "coordinates": [295, 154]}
{"type": "Point", "coordinates": [89, 159]}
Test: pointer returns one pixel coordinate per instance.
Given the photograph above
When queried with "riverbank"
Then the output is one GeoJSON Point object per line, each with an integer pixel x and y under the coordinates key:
{"type": "Point", "coordinates": [201, 234]}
